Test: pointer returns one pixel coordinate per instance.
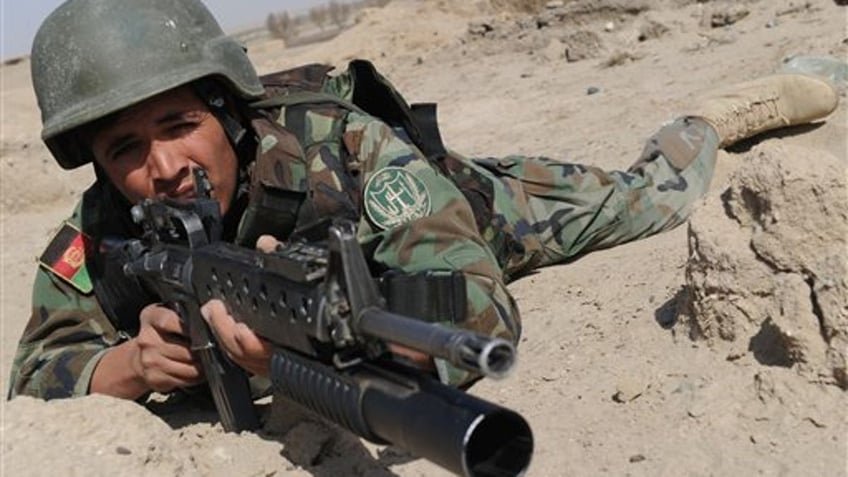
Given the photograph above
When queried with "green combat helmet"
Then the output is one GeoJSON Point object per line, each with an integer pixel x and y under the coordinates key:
{"type": "Point", "coordinates": [91, 58]}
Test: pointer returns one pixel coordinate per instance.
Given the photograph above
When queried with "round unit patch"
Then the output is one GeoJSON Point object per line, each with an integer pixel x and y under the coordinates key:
{"type": "Point", "coordinates": [394, 196]}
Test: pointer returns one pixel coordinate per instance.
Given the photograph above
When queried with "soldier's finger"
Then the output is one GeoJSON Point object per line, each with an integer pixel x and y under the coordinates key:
{"type": "Point", "coordinates": [163, 319]}
{"type": "Point", "coordinates": [267, 244]}
{"type": "Point", "coordinates": [171, 376]}
{"type": "Point", "coordinates": [176, 349]}
{"type": "Point", "coordinates": [255, 352]}
{"type": "Point", "coordinates": [250, 343]}
{"type": "Point", "coordinates": [222, 324]}
{"type": "Point", "coordinates": [182, 373]}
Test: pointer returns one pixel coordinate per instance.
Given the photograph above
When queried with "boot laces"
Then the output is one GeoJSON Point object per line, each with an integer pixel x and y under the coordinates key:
{"type": "Point", "coordinates": [748, 117]}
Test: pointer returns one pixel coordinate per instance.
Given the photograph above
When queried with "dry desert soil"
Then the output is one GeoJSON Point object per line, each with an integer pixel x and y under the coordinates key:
{"type": "Point", "coordinates": [716, 349]}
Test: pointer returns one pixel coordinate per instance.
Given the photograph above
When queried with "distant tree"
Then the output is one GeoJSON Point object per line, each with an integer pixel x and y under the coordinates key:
{"type": "Point", "coordinates": [347, 10]}
{"type": "Point", "coordinates": [281, 26]}
{"type": "Point", "coordinates": [319, 15]}
{"type": "Point", "coordinates": [271, 24]}
{"type": "Point", "coordinates": [338, 12]}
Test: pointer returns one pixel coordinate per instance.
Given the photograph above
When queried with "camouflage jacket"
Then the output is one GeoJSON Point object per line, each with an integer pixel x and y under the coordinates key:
{"type": "Point", "coordinates": [491, 219]}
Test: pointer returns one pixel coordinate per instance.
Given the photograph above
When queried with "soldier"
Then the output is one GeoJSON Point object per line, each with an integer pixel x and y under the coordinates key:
{"type": "Point", "coordinates": [148, 92]}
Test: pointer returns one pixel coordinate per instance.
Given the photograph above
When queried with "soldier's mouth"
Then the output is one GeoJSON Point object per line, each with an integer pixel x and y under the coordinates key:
{"type": "Point", "coordinates": [183, 194]}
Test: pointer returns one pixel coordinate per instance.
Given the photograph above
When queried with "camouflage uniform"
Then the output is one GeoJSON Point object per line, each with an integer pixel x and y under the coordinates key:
{"type": "Point", "coordinates": [491, 218]}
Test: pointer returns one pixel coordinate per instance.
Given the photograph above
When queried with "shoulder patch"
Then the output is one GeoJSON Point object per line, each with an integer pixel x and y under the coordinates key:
{"type": "Point", "coordinates": [394, 196]}
{"type": "Point", "coordinates": [65, 257]}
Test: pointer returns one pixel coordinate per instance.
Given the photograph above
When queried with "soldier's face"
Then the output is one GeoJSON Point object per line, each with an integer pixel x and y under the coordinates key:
{"type": "Point", "coordinates": [150, 149]}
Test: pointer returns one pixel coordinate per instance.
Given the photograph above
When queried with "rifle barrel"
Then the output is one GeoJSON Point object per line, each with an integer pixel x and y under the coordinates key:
{"type": "Point", "coordinates": [492, 357]}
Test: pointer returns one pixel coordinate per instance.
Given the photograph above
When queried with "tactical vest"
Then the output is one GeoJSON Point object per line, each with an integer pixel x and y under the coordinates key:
{"type": "Point", "coordinates": [281, 201]}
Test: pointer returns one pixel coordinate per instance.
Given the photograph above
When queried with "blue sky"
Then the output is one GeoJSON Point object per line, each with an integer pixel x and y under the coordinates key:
{"type": "Point", "coordinates": [21, 18]}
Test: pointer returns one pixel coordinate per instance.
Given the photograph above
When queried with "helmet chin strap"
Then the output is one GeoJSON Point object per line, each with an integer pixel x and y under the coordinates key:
{"type": "Point", "coordinates": [213, 95]}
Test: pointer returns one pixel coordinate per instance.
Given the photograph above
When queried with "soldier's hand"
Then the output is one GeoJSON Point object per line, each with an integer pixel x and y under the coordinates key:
{"type": "Point", "coordinates": [267, 244]}
{"type": "Point", "coordinates": [163, 359]}
{"type": "Point", "coordinates": [238, 341]}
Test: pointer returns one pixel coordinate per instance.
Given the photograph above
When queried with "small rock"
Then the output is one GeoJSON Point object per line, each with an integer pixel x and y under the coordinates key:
{"type": "Point", "coordinates": [555, 51]}
{"type": "Point", "coordinates": [592, 90]}
{"type": "Point", "coordinates": [582, 45]}
{"type": "Point", "coordinates": [636, 458]}
{"type": "Point", "coordinates": [619, 58]}
{"type": "Point", "coordinates": [554, 4]}
{"type": "Point", "coordinates": [652, 30]}
{"type": "Point", "coordinates": [771, 23]}
{"type": "Point", "coordinates": [480, 28]}
{"type": "Point", "coordinates": [727, 17]}
{"type": "Point", "coordinates": [121, 450]}
{"type": "Point", "coordinates": [628, 390]}
{"type": "Point", "coordinates": [610, 26]}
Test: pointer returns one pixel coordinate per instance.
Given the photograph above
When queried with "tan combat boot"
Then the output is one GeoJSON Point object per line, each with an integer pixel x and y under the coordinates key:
{"type": "Point", "coordinates": [747, 109]}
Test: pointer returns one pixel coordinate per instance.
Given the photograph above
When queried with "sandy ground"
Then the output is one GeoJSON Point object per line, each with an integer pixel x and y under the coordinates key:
{"type": "Point", "coordinates": [621, 370]}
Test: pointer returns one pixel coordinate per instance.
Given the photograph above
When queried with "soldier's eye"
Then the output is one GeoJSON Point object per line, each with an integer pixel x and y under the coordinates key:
{"type": "Point", "coordinates": [183, 125]}
{"type": "Point", "coordinates": [124, 150]}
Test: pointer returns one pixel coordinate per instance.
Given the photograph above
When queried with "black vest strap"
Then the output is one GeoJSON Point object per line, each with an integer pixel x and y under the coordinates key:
{"type": "Point", "coordinates": [373, 93]}
{"type": "Point", "coordinates": [426, 119]}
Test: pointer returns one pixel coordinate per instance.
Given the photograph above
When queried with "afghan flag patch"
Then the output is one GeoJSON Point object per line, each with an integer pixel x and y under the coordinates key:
{"type": "Point", "coordinates": [65, 257]}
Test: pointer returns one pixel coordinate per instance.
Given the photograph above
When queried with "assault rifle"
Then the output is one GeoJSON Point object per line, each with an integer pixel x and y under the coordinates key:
{"type": "Point", "coordinates": [322, 310]}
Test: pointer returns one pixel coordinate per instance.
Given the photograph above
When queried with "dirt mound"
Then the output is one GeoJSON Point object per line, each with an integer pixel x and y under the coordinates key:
{"type": "Point", "coordinates": [105, 440]}
{"type": "Point", "coordinates": [89, 444]}
{"type": "Point", "coordinates": [572, 28]}
{"type": "Point", "coordinates": [403, 31]}
{"type": "Point", "coordinates": [767, 269]}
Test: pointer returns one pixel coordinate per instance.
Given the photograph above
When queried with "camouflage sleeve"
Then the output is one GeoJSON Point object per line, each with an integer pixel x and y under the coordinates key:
{"type": "Point", "coordinates": [557, 211]}
{"type": "Point", "coordinates": [417, 220]}
{"type": "Point", "coordinates": [63, 341]}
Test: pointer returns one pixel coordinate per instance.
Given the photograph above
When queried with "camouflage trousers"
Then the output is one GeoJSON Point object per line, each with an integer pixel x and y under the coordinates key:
{"type": "Point", "coordinates": [547, 212]}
